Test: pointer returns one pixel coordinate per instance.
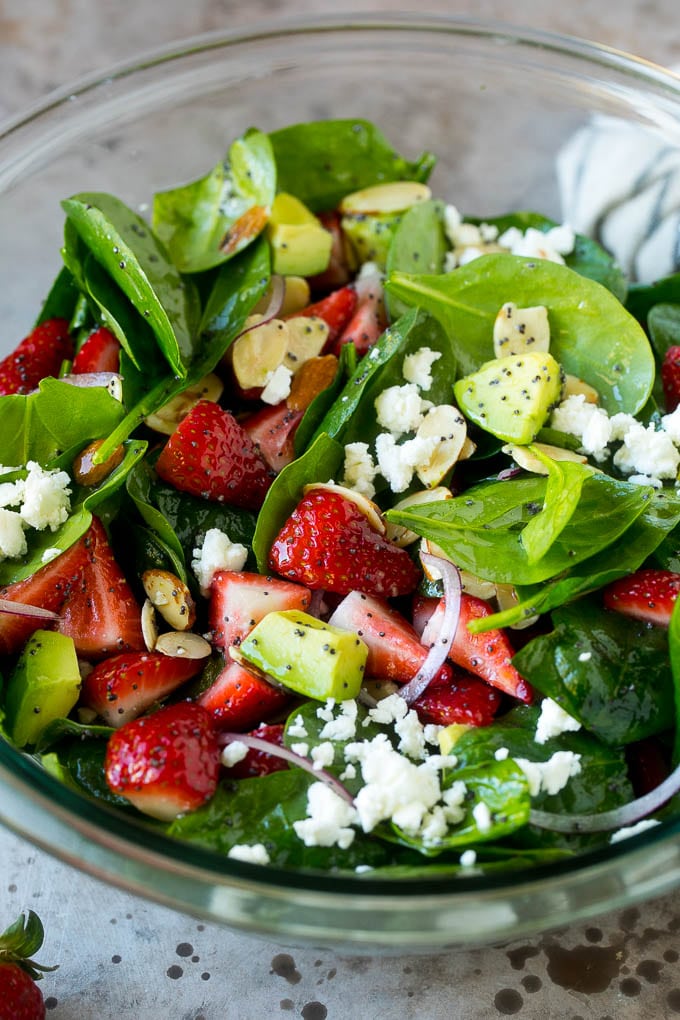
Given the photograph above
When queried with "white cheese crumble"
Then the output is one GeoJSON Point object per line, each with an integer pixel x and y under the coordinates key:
{"type": "Point", "coordinates": [553, 720]}
{"type": "Point", "coordinates": [468, 858]}
{"type": "Point", "coordinates": [301, 748]}
{"type": "Point", "coordinates": [482, 816]}
{"type": "Point", "coordinates": [322, 755]}
{"type": "Point", "coordinates": [551, 244]}
{"type": "Point", "coordinates": [585, 656]}
{"type": "Point", "coordinates": [47, 494]}
{"type": "Point", "coordinates": [550, 776]}
{"type": "Point", "coordinates": [49, 555]}
{"type": "Point", "coordinates": [588, 422]}
{"type": "Point", "coordinates": [633, 830]}
{"type": "Point", "coordinates": [252, 854]}
{"type": "Point", "coordinates": [233, 753]}
{"type": "Point", "coordinates": [329, 819]}
{"type": "Point", "coordinates": [400, 409]}
{"type": "Point", "coordinates": [501, 753]}
{"type": "Point", "coordinates": [325, 711]}
{"type": "Point", "coordinates": [216, 552]}
{"type": "Point", "coordinates": [11, 493]}
{"type": "Point", "coordinates": [647, 452]}
{"type": "Point", "coordinates": [297, 728]}
{"type": "Point", "coordinates": [277, 387]}
{"type": "Point", "coordinates": [12, 537]}
{"type": "Point", "coordinates": [359, 469]}
{"type": "Point", "coordinates": [344, 726]}
{"type": "Point", "coordinates": [398, 463]}
{"type": "Point", "coordinates": [417, 367]}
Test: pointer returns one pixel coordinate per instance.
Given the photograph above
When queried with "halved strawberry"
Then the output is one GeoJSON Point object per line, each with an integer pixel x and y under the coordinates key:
{"type": "Point", "coordinates": [167, 763]}
{"type": "Point", "coordinates": [394, 651]}
{"type": "Point", "coordinates": [239, 600]}
{"type": "Point", "coordinates": [259, 763]}
{"type": "Point", "coordinates": [368, 320]}
{"type": "Point", "coordinates": [670, 378]}
{"type": "Point", "coordinates": [272, 430]}
{"type": "Point", "coordinates": [336, 310]}
{"type": "Point", "coordinates": [486, 655]}
{"type": "Point", "coordinates": [647, 595]}
{"type": "Point", "coordinates": [100, 611]}
{"type": "Point", "coordinates": [211, 456]}
{"type": "Point", "coordinates": [237, 700]}
{"type": "Point", "coordinates": [328, 543]}
{"type": "Point", "coordinates": [99, 353]}
{"type": "Point", "coordinates": [462, 699]}
{"type": "Point", "coordinates": [122, 687]}
{"type": "Point", "coordinates": [40, 354]}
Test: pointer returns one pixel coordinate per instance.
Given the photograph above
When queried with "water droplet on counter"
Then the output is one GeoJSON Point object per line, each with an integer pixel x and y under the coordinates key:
{"type": "Point", "coordinates": [184, 949]}
{"type": "Point", "coordinates": [588, 969]}
{"type": "Point", "coordinates": [283, 965]}
{"type": "Point", "coordinates": [518, 957]}
{"type": "Point", "coordinates": [314, 1011]}
{"type": "Point", "coordinates": [508, 1001]}
{"type": "Point", "coordinates": [174, 972]}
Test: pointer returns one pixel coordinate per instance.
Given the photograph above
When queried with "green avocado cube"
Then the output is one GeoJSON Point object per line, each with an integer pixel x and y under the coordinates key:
{"type": "Point", "coordinates": [44, 686]}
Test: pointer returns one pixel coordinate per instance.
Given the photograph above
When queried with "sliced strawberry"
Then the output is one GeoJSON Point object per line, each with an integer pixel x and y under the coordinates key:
{"type": "Point", "coordinates": [670, 378]}
{"type": "Point", "coordinates": [122, 687]}
{"type": "Point", "coordinates": [99, 353]}
{"type": "Point", "coordinates": [272, 429]}
{"type": "Point", "coordinates": [101, 613]}
{"type": "Point", "coordinates": [368, 321]}
{"type": "Point", "coordinates": [336, 310]}
{"type": "Point", "coordinates": [239, 600]}
{"type": "Point", "coordinates": [463, 699]}
{"type": "Point", "coordinates": [486, 655]}
{"type": "Point", "coordinates": [422, 610]}
{"type": "Point", "coordinates": [237, 700]}
{"type": "Point", "coordinates": [167, 763]}
{"type": "Point", "coordinates": [259, 763]}
{"type": "Point", "coordinates": [647, 595]}
{"type": "Point", "coordinates": [327, 542]}
{"type": "Point", "coordinates": [339, 270]}
{"type": "Point", "coordinates": [40, 354]}
{"type": "Point", "coordinates": [211, 456]}
{"type": "Point", "coordinates": [394, 651]}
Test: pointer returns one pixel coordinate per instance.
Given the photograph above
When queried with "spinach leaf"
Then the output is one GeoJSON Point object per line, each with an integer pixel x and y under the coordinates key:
{"type": "Point", "coordinates": [418, 245]}
{"type": "Point", "coordinates": [562, 494]}
{"type": "Point", "coordinates": [322, 161]}
{"type": "Point", "coordinates": [205, 223]}
{"type": "Point", "coordinates": [318, 464]}
{"type": "Point", "coordinates": [642, 297]}
{"type": "Point", "coordinates": [39, 542]}
{"type": "Point", "coordinates": [139, 488]}
{"type": "Point", "coordinates": [663, 323]}
{"type": "Point", "coordinates": [592, 335]}
{"type": "Point", "coordinates": [61, 729]}
{"type": "Point", "coordinates": [606, 670]}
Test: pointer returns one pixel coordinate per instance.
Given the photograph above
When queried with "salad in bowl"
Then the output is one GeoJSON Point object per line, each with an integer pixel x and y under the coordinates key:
{"type": "Point", "coordinates": [338, 526]}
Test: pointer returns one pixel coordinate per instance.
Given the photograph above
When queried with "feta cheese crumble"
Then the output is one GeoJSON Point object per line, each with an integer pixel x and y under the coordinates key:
{"type": "Point", "coordinates": [398, 463]}
{"type": "Point", "coordinates": [12, 537]}
{"type": "Point", "coordinates": [297, 728]}
{"type": "Point", "coordinates": [400, 409]}
{"type": "Point", "coordinates": [233, 753]}
{"type": "Point", "coordinates": [216, 552]}
{"type": "Point", "coordinates": [553, 720]}
{"type": "Point", "coordinates": [550, 776]}
{"type": "Point", "coordinates": [468, 858]}
{"type": "Point", "coordinates": [344, 726]}
{"type": "Point", "coordinates": [632, 830]}
{"type": "Point", "coordinates": [252, 854]}
{"type": "Point", "coordinates": [329, 819]}
{"type": "Point", "coordinates": [359, 469]}
{"type": "Point", "coordinates": [277, 387]}
{"type": "Point", "coordinates": [417, 367]}
{"type": "Point", "coordinates": [47, 494]}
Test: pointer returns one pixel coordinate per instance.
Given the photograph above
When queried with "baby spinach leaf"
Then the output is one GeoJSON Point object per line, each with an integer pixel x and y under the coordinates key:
{"type": "Point", "coordinates": [319, 463]}
{"type": "Point", "coordinates": [663, 323]}
{"type": "Point", "coordinates": [608, 671]}
{"type": "Point", "coordinates": [123, 243]}
{"type": "Point", "coordinates": [592, 335]}
{"type": "Point", "coordinates": [194, 220]}
{"type": "Point", "coordinates": [39, 542]}
{"type": "Point", "coordinates": [418, 245]}
{"type": "Point", "coordinates": [562, 494]}
{"type": "Point", "coordinates": [642, 297]}
{"type": "Point", "coordinates": [140, 489]}
{"type": "Point", "coordinates": [322, 161]}
{"type": "Point", "coordinates": [61, 729]}
{"type": "Point", "coordinates": [674, 654]}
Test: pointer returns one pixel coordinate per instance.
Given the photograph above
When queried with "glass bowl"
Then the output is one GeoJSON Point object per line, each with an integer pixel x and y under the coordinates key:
{"type": "Point", "coordinates": [496, 104]}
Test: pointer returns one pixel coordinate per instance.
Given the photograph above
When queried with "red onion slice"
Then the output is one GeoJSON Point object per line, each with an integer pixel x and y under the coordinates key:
{"type": "Point", "coordinates": [111, 381]}
{"type": "Point", "coordinates": [439, 649]}
{"type": "Point", "coordinates": [617, 818]}
{"type": "Point", "coordinates": [278, 290]}
{"type": "Point", "coordinates": [24, 609]}
{"type": "Point", "coordinates": [258, 744]}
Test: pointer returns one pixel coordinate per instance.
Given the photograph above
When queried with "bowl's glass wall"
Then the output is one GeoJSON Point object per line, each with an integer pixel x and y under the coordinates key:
{"type": "Point", "coordinates": [496, 106]}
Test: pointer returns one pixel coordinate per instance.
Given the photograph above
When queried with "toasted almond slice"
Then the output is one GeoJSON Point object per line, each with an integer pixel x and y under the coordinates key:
{"type": "Point", "coordinates": [296, 296]}
{"type": "Point", "coordinates": [149, 628]}
{"type": "Point", "coordinates": [477, 586]}
{"type": "Point", "coordinates": [313, 378]}
{"type": "Point", "coordinates": [517, 330]}
{"type": "Point", "coordinates": [529, 462]}
{"type": "Point", "coordinates": [573, 386]}
{"type": "Point", "coordinates": [467, 449]}
{"type": "Point", "coordinates": [307, 335]}
{"type": "Point", "coordinates": [259, 352]}
{"type": "Point", "coordinates": [249, 225]}
{"type": "Point", "coordinates": [369, 509]}
{"type": "Point", "coordinates": [185, 645]}
{"type": "Point", "coordinates": [87, 472]}
{"type": "Point", "coordinates": [428, 546]}
{"type": "Point", "coordinates": [167, 418]}
{"type": "Point", "coordinates": [394, 197]}
{"type": "Point", "coordinates": [380, 689]}
{"type": "Point", "coordinates": [403, 536]}
{"type": "Point", "coordinates": [171, 597]}
{"type": "Point", "coordinates": [506, 597]}
{"type": "Point", "coordinates": [448, 424]}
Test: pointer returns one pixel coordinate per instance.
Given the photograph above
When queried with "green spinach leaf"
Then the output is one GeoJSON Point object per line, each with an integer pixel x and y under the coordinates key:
{"type": "Point", "coordinates": [418, 245]}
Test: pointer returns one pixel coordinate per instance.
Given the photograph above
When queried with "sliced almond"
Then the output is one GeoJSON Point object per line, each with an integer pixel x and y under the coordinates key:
{"type": "Point", "coordinates": [380, 689]}
{"type": "Point", "coordinates": [149, 627]}
{"type": "Point", "coordinates": [249, 225]}
{"type": "Point", "coordinates": [477, 586]}
{"type": "Point", "coordinates": [447, 424]}
{"type": "Point", "coordinates": [313, 378]}
{"type": "Point", "coordinates": [185, 645]}
{"type": "Point", "coordinates": [573, 386]}
{"type": "Point", "coordinates": [307, 337]}
{"type": "Point", "coordinates": [404, 536]}
{"type": "Point", "coordinates": [467, 449]}
{"type": "Point", "coordinates": [428, 546]}
{"type": "Point", "coordinates": [296, 296]}
{"type": "Point", "coordinates": [368, 508]}
{"type": "Point", "coordinates": [87, 472]}
{"type": "Point", "coordinates": [394, 197]}
{"type": "Point", "coordinates": [171, 597]}
{"type": "Point", "coordinates": [255, 355]}
{"type": "Point", "coordinates": [167, 418]}
{"type": "Point", "coordinates": [506, 598]}
{"type": "Point", "coordinates": [518, 330]}
{"type": "Point", "coordinates": [526, 459]}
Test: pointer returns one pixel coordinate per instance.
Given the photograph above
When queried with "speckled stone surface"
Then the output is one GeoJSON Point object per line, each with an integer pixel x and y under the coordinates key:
{"type": "Point", "coordinates": [123, 957]}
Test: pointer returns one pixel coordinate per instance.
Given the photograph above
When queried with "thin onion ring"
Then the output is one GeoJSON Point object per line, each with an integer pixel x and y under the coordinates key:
{"type": "Point", "coordinates": [278, 291]}
{"type": "Point", "coordinates": [27, 610]}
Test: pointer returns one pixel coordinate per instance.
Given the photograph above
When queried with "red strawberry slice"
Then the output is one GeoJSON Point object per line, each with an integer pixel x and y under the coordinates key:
{"type": "Point", "coordinates": [40, 354]}
{"type": "Point", "coordinates": [670, 378]}
{"type": "Point", "coordinates": [101, 613]}
{"type": "Point", "coordinates": [338, 271]}
{"type": "Point", "coordinates": [647, 595]}
{"type": "Point", "coordinates": [368, 321]}
{"type": "Point", "coordinates": [211, 456]}
{"type": "Point", "coordinates": [239, 600]}
{"type": "Point", "coordinates": [237, 700]}
{"type": "Point", "coordinates": [122, 687]}
{"type": "Point", "coordinates": [328, 543]}
{"type": "Point", "coordinates": [394, 651]}
{"type": "Point", "coordinates": [259, 763]}
{"type": "Point", "coordinates": [463, 699]}
{"type": "Point", "coordinates": [99, 353]}
{"type": "Point", "coordinates": [272, 430]}
{"type": "Point", "coordinates": [167, 763]}
{"type": "Point", "coordinates": [336, 310]}
{"type": "Point", "coordinates": [486, 655]}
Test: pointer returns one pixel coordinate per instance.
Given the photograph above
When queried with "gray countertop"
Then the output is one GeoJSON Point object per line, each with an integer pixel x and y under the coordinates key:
{"type": "Point", "coordinates": [120, 956]}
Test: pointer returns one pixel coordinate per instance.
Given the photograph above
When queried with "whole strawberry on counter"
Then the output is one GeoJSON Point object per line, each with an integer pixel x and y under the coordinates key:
{"type": "Point", "coordinates": [20, 996]}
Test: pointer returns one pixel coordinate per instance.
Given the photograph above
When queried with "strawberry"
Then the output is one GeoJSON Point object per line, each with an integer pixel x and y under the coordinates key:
{"type": "Point", "coordinates": [238, 700]}
{"type": "Point", "coordinates": [122, 687]}
{"type": "Point", "coordinates": [486, 655]}
{"type": "Point", "coordinates": [394, 651]}
{"type": "Point", "coordinates": [648, 595]}
{"type": "Point", "coordinates": [463, 699]}
{"type": "Point", "coordinates": [336, 310]}
{"type": "Point", "coordinates": [99, 353]}
{"type": "Point", "coordinates": [166, 763]}
{"type": "Point", "coordinates": [327, 542]}
{"type": "Point", "coordinates": [20, 997]}
{"type": "Point", "coordinates": [239, 600]}
{"type": "Point", "coordinates": [211, 456]}
{"type": "Point", "coordinates": [339, 270]}
{"type": "Point", "coordinates": [259, 763]}
{"type": "Point", "coordinates": [670, 378]}
{"type": "Point", "coordinates": [272, 430]}
{"type": "Point", "coordinates": [101, 613]}
{"type": "Point", "coordinates": [368, 320]}
{"type": "Point", "coordinates": [39, 354]}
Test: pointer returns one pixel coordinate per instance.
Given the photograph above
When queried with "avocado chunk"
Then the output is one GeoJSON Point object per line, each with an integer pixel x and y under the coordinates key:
{"type": "Point", "coordinates": [306, 655]}
{"type": "Point", "coordinates": [44, 686]}
{"type": "Point", "coordinates": [370, 235]}
{"type": "Point", "coordinates": [301, 246]}
{"type": "Point", "coordinates": [511, 397]}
